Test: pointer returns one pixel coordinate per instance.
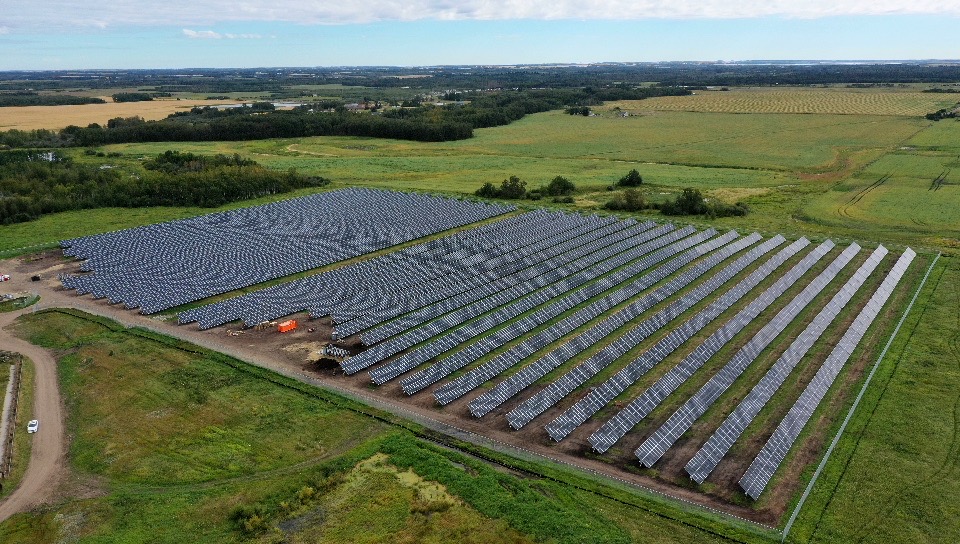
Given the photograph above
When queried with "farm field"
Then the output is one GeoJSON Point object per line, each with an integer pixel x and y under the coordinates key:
{"type": "Point", "coordinates": [903, 100]}
{"type": "Point", "coordinates": [57, 117]}
{"type": "Point", "coordinates": [247, 455]}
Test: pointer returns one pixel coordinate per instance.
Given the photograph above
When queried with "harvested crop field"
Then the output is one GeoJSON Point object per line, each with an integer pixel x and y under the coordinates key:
{"type": "Point", "coordinates": [836, 101]}
{"type": "Point", "coordinates": [57, 117]}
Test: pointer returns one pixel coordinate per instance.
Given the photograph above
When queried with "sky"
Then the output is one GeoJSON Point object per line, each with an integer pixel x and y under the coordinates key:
{"type": "Point", "coordinates": [69, 34]}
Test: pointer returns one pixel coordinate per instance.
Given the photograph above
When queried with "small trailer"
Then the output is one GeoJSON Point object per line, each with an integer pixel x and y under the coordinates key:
{"type": "Point", "coordinates": [287, 325]}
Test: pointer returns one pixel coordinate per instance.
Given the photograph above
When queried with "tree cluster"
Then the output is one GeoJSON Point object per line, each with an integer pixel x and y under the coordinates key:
{"type": "Point", "coordinates": [942, 114]}
{"type": "Point", "coordinates": [26, 98]}
{"type": "Point", "coordinates": [514, 188]}
{"type": "Point", "coordinates": [36, 183]}
{"type": "Point", "coordinates": [689, 202]}
{"type": "Point", "coordinates": [132, 97]}
{"type": "Point", "coordinates": [632, 179]}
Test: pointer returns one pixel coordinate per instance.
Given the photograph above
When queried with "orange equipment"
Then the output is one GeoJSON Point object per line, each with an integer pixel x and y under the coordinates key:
{"type": "Point", "coordinates": [287, 325]}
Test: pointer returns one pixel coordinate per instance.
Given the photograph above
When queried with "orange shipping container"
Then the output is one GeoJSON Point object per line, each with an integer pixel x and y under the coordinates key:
{"type": "Point", "coordinates": [287, 326]}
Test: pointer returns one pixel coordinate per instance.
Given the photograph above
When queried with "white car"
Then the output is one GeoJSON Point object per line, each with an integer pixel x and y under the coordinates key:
{"type": "Point", "coordinates": [4, 277]}
{"type": "Point", "coordinates": [33, 425]}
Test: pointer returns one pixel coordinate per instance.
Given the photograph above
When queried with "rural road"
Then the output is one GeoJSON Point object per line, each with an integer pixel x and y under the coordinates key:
{"type": "Point", "coordinates": [48, 457]}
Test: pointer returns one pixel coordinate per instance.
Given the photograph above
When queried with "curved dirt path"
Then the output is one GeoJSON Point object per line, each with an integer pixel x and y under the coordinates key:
{"type": "Point", "coordinates": [48, 456]}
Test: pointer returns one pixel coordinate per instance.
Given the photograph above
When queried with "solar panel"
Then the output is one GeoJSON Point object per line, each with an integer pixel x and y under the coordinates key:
{"type": "Point", "coordinates": [716, 447]}
{"type": "Point", "coordinates": [614, 429]}
{"type": "Point", "coordinates": [564, 424]}
{"type": "Point", "coordinates": [763, 467]}
{"type": "Point", "coordinates": [160, 266]}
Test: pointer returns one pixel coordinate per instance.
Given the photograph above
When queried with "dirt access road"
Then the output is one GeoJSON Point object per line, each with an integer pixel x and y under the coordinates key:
{"type": "Point", "coordinates": [48, 456]}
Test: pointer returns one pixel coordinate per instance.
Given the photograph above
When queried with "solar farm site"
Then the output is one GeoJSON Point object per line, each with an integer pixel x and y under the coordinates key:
{"type": "Point", "coordinates": [708, 365]}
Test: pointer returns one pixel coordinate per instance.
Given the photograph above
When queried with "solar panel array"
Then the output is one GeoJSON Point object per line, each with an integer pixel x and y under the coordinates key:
{"type": "Point", "coordinates": [573, 271]}
{"type": "Point", "coordinates": [653, 448]}
{"type": "Point", "coordinates": [401, 276]}
{"type": "Point", "coordinates": [160, 266]}
{"type": "Point", "coordinates": [445, 367]}
{"type": "Point", "coordinates": [717, 445]}
{"type": "Point", "coordinates": [510, 288]}
{"type": "Point", "coordinates": [614, 429]}
{"type": "Point", "coordinates": [564, 424]}
{"type": "Point", "coordinates": [512, 385]}
{"type": "Point", "coordinates": [469, 381]}
{"type": "Point", "coordinates": [755, 480]}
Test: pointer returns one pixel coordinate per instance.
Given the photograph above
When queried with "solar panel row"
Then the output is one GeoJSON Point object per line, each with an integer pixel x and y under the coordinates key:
{"type": "Point", "coordinates": [716, 447]}
{"type": "Point", "coordinates": [564, 424]}
{"type": "Point", "coordinates": [541, 367]}
{"type": "Point", "coordinates": [775, 450]}
{"type": "Point", "coordinates": [614, 429]}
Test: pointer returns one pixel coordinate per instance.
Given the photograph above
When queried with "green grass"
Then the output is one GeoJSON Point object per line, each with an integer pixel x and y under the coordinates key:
{"type": "Point", "coordinates": [22, 441]}
{"type": "Point", "coordinates": [893, 477]}
{"type": "Point", "coordinates": [184, 445]}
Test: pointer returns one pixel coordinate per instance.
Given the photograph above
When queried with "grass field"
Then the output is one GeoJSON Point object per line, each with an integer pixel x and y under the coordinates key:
{"type": "Point", "coordinates": [22, 441]}
{"type": "Point", "coordinates": [187, 446]}
{"type": "Point", "coordinates": [893, 477]}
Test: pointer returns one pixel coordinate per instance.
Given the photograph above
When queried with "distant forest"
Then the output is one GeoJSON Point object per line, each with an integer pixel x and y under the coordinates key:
{"type": "Point", "coordinates": [428, 123]}
{"type": "Point", "coordinates": [219, 81]}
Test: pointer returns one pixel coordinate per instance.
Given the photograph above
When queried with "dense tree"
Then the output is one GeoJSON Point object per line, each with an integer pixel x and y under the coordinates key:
{"type": "Point", "coordinates": [513, 187]}
{"type": "Point", "coordinates": [132, 97]}
{"type": "Point", "coordinates": [35, 183]}
{"type": "Point", "coordinates": [559, 186]}
{"type": "Point", "coordinates": [632, 179]}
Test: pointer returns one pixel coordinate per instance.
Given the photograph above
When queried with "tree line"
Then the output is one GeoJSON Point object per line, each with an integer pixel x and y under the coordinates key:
{"type": "Point", "coordinates": [26, 98]}
{"type": "Point", "coordinates": [35, 183]}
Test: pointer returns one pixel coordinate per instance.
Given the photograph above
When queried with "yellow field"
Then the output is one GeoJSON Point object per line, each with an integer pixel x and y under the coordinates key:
{"type": "Point", "coordinates": [797, 100]}
{"type": "Point", "coordinates": [57, 117]}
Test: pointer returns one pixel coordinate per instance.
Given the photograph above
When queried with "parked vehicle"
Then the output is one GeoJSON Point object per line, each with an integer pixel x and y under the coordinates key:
{"type": "Point", "coordinates": [33, 425]}
{"type": "Point", "coordinates": [4, 277]}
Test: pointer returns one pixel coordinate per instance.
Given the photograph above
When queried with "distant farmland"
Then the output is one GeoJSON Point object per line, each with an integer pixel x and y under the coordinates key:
{"type": "Point", "coordinates": [836, 101]}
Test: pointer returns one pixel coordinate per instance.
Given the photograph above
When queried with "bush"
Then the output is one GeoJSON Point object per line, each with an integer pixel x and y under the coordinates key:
{"type": "Point", "coordinates": [691, 202]}
{"type": "Point", "coordinates": [579, 110]}
{"type": "Point", "coordinates": [630, 200]}
{"type": "Point", "coordinates": [632, 179]}
{"type": "Point", "coordinates": [487, 191]}
{"type": "Point", "coordinates": [559, 186]}
{"type": "Point", "coordinates": [513, 187]}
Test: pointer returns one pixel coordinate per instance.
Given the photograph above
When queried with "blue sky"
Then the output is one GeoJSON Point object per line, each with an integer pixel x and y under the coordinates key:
{"type": "Point", "coordinates": [66, 34]}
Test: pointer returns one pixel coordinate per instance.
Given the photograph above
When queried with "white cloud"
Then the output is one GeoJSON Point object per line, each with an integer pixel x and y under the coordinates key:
{"type": "Point", "coordinates": [201, 34]}
{"type": "Point", "coordinates": [211, 35]}
{"type": "Point", "coordinates": [23, 14]}
{"type": "Point", "coordinates": [4, 30]}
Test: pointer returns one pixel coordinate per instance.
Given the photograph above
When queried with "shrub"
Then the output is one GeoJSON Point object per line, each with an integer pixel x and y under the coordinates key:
{"type": "Point", "coordinates": [559, 186]}
{"type": "Point", "coordinates": [632, 179]}
{"type": "Point", "coordinates": [487, 191]}
{"type": "Point", "coordinates": [630, 200]}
